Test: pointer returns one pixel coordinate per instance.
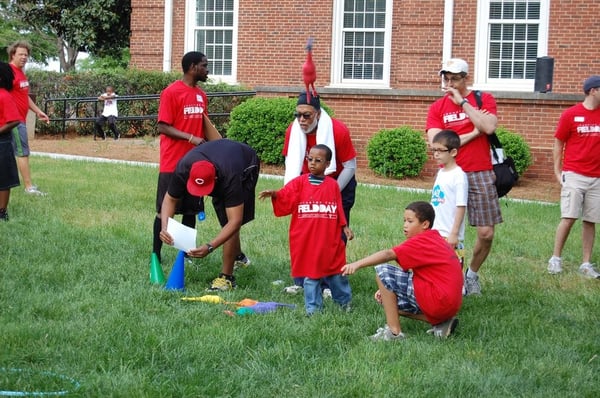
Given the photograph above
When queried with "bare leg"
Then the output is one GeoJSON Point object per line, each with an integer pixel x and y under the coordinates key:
{"type": "Point", "coordinates": [23, 164]}
{"type": "Point", "coordinates": [483, 245]}
{"type": "Point", "coordinates": [389, 301]}
{"type": "Point", "coordinates": [562, 233]}
{"type": "Point", "coordinates": [231, 248]}
{"type": "Point", "coordinates": [587, 240]}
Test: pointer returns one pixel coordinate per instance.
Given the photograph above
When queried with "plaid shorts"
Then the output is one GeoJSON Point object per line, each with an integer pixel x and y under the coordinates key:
{"type": "Point", "coordinates": [483, 206]}
{"type": "Point", "coordinates": [400, 282]}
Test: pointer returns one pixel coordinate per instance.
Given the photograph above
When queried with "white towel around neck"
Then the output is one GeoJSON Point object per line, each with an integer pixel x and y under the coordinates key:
{"type": "Point", "coordinates": [296, 151]}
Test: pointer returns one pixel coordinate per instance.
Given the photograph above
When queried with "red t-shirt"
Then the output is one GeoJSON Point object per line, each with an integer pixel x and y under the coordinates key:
{"type": "Point", "coordinates": [579, 129]}
{"type": "Point", "coordinates": [20, 92]}
{"type": "Point", "coordinates": [8, 110]}
{"type": "Point", "coordinates": [344, 150]}
{"type": "Point", "coordinates": [437, 274]}
{"type": "Point", "coordinates": [445, 114]}
{"type": "Point", "coordinates": [316, 247]}
{"type": "Point", "coordinates": [182, 107]}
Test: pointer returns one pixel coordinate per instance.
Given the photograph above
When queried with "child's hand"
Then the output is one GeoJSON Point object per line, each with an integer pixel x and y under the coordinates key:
{"type": "Point", "coordinates": [349, 269]}
{"type": "Point", "coordinates": [348, 232]}
{"type": "Point", "coordinates": [266, 194]}
{"type": "Point", "coordinates": [377, 296]}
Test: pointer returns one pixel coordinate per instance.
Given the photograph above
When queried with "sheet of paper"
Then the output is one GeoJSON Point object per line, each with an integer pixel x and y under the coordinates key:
{"type": "Point", "coordinates": [184, 237]}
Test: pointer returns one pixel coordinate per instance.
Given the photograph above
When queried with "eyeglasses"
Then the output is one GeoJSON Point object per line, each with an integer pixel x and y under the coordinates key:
{"type": "Point", "coordinates": [439, 150]}
{"type": "Point", "coordinates": [306, 115]}
{"type": "Point", "coordinates": [309, 159]}
{"type": "Point", "coordinates": [453, 79]}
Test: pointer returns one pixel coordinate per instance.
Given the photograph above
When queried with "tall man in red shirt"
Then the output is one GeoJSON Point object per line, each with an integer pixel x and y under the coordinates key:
{"type": "Point", "coordinates": [576, 146]}
{"type": "Point", "coordinates": [18, 55]}
{"type": "Point", "coordinates": [457, 110]}
{"type": "Point", "coordinates": [181, 112]}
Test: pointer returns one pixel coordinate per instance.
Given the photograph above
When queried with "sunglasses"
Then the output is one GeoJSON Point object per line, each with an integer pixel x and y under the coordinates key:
{"type": "Point", "coordinates": [306, 115]}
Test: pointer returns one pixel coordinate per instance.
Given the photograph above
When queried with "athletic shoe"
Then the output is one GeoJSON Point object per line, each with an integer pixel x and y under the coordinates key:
{"type": "Point", "coordinates": [294, 289]}
{"type": "Point", "coordinates": [588, 270]}
{"type": "Point", "coordinates": [222, 284]}
{"type": "Point", "coordinates": [472, 285]}
{"type": "Point", "coordinates": [444, 329]}
{"type": "Point", "coordinates": [385, 334]}
{"type": "Point", "coordinates": [33, 190]}
{"type": "Point", "coordinates": [4, 215]}
{"type": "Point", "coordinates": [554, 265]}
{"type": "Point", "coordinates": [241, 261]}
{"type": "Point", "coordinates": [326, 293]}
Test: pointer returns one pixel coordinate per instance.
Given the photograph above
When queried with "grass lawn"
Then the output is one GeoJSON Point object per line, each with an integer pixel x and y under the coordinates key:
{"type": "Point", "coordinates": [80, 317]}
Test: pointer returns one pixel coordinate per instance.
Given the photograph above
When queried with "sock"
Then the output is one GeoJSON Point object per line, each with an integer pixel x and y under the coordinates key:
{"type": "Point", "coordinates": [157, 243]}
{"type": "Point", "coordinates": [471, 274]}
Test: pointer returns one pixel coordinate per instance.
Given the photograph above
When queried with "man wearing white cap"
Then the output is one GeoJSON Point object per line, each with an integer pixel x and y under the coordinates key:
{"type": "Point", "coordinates": [228, 172]}
{"type": "Point", "coordinates": [577, 169]}
{"type": "Point", "coordinates": [458, 110]}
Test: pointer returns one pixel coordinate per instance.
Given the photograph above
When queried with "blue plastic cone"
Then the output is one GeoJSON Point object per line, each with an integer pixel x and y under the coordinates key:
{"type": "Point", "coordinates": [156, 273]}
{"type": "Point", "coordinates": [175, 281]}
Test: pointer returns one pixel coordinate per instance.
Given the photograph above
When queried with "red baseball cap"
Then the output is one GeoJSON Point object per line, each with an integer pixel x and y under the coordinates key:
{"type": "Point", "coordinates": [202, 178]}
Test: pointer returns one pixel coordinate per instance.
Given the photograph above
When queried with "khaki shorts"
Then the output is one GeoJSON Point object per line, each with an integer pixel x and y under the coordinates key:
{"type": "Point", "coordinates": [580, 197]}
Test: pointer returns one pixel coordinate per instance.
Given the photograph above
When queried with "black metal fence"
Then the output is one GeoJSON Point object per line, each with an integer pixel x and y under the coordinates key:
{"type": "Point", "coordinates": [139, 112]}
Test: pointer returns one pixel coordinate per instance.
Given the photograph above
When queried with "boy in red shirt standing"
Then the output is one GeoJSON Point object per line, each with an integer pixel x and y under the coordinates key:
{"type": "Point", "coordinates": [317, 254]}
{"type": "Point", "coordinates": [426, 286]}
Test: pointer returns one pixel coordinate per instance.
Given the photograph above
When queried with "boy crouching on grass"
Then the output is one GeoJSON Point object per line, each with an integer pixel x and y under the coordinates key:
{"type": "Point", "coordinates": [428, 284]}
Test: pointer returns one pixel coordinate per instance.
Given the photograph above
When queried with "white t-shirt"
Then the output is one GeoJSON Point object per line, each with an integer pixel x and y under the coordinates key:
{"type": "Point", "coordinates": [450, 189]}
{"type": "Point", "coordinates": [110, 107]}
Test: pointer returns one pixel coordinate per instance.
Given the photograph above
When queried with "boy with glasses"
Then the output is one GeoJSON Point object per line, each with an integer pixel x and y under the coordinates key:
{"type": "Point", "coordinates": [450, 192]}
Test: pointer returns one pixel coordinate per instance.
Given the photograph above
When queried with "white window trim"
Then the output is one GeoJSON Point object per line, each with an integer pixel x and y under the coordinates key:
{"type": "Point", "coordinates": [479, 72]}
{"type": "Point", "coordinates": [337, 46]}
{"type": "Point", "coordinates": [189, 37]}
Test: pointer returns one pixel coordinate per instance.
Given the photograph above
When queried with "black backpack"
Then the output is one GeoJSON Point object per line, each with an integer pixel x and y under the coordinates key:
{"type": "Point", "coordinates": [506, 172]}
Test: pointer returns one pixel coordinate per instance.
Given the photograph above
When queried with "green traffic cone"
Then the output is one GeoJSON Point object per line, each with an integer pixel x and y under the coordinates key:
{"type": "Point", "coordinates": [156, 273]}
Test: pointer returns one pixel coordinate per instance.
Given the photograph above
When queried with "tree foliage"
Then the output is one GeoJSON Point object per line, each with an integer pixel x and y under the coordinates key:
{"type": "Point", "coordinates": [99, 27]}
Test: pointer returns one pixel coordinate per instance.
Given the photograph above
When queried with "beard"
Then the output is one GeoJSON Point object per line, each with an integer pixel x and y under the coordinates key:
{"type": "Point", "coordinates": [311, 127]}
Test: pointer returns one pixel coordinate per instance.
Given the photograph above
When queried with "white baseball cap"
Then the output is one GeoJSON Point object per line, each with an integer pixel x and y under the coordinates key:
{"type": "Point", "coordinates": [454, 65]}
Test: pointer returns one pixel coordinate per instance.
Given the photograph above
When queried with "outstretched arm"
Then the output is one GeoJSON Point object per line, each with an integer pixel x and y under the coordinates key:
{"type": "Point", "coordinates": [374, 259]}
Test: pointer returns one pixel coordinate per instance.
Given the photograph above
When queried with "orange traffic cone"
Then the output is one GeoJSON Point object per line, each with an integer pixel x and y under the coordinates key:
{"type": "Point", "coordinates": [175, 281]}
{"type": "Point", "coordinates": [156, 273]}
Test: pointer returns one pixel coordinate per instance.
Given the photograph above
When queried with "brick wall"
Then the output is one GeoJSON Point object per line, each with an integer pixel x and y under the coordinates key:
{"type": "Point", "coordinates": [272, 37]}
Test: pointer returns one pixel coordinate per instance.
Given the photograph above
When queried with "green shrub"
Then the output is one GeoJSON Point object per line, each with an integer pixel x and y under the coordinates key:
{"type": "Point", "coordinates": [261, 123]}
{"type": "Point", "coordinates": [516, 147]}
{"type": "Point", "coordinates": [398, 153]}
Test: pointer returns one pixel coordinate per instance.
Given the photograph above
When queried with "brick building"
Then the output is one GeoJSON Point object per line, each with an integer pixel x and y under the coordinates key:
{"type": "Point", "coordinates": [377, 60]}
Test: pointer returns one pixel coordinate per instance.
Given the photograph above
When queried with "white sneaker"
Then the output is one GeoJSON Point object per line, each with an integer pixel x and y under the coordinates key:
{"type": "Point", "coordinates": [554, 265]}
{"type": "Point", "coordinates": [326, 293]}
{"type": "Point", "coordinates": [294, 289]}
{"type": "Point", "coordinates": [385, 334]}
{"type": "Point", "coordinates": [587, 270]}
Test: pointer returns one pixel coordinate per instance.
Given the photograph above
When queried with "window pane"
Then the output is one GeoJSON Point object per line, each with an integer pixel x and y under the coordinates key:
{"type": "Point", "coordinates": [363, 38]}
{"type": "Point", "coordinates": [214, 33]}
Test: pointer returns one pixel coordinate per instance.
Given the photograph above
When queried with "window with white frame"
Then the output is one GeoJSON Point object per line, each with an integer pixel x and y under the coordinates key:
{"type": "Point", "coordinates": [213, 26]}
{"type": "Point", "coordinates": [512, 35]}
{"type": "Point", "coordinates": [361, 43]}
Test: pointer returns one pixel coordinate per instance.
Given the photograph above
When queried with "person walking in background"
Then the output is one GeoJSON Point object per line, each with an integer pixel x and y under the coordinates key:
{"type": "Point", "coordinates": [18, 55]}
{"type": "Point", "coordinates": [228, 172]}
{"type": "Point", "coordinates": [9, 119]}
{"type": "Point", "coordinates": [426, 286]}
{"type": "Point", "coordinates": [316, 252]}
{"type": "Point", "coordinates": [457, 110]}
{"type": "Point", "coordinates": [577, 168]}
{"type": "Point", "coordinates": [450, 192]}
{"type": "Point", "coordinates": [312, 125]}
{"type": "Point", "coordinates": [182, 109]}
{"type": "Point", "coordinates": [109, 115]}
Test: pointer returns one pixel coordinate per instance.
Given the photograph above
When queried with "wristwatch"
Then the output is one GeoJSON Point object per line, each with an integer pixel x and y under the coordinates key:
{"type": "Point", "coordinates": [464, 101]}
{"type": "Point", "coordinates": [210, 247]}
